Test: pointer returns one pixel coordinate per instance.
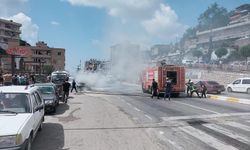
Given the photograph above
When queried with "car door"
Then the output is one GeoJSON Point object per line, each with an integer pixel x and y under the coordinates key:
{"type": "Point", "coordinates": [35, 113]}
{"type": "Point", "coordinates": [236, 85]}
{"type": "Point", "coordinates": [39, 102]}
{"type": "Point", "coordinates": [245, 85]}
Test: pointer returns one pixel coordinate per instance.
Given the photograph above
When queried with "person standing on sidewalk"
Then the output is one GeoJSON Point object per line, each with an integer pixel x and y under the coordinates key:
{"type": "Point", "coordinates": [168, 88]}
{"type": "Point", "coordinates": [154, 89]}
{"type": "Point", "coordinates": [73, 86]}
{"type": "Point", "coordinates": [66, 86]}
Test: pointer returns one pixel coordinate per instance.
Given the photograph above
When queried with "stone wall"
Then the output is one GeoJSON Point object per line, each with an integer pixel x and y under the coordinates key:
{"type": "Point", "coordinates": [220, 76]}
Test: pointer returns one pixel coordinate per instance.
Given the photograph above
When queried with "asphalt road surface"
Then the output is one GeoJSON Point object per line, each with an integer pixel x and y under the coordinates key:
{"type": "Point", "coordinates": [123, 121]}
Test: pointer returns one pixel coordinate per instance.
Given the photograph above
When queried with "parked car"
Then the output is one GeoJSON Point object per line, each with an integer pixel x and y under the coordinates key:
{"type": "Point", "coordinates": [49, 95]}
{"type": "Point", "coordinates": [240, 85]}
{"type": "Point", "coordinates": [21, 116]}
{"type": "Point", "coordinates": [212, 86]}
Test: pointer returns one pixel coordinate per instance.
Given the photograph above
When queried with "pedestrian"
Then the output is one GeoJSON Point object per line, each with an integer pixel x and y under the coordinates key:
{"type": "Point", "coordinates": [154, 89]}
{"type": "Point", "coordinates": [1, 79]}
{"type": "Point", "coordinates": [33, 79]}
{"type": "Point", "coordinates": [15, 80]}
{"type": "Point", "coordinates": [188, 84]}
{"type": "Point", "coordinates": [66, 86]}
{"type": "Point", "coordinates": [193, 89]}
{"type": "Point", "coordinates": [73, 86]}
{"type": "Point", "coordinates": [203, 90]}
{"type": "Point", "coordinates": [168, 88]}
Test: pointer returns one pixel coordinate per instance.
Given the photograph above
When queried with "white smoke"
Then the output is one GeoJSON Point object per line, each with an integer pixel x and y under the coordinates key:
{"type": "Point", "coordinates": [123, 74]}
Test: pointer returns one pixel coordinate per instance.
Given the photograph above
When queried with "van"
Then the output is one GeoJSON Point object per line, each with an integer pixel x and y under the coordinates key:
{"type": "Point", "coordinates": [240, 85]}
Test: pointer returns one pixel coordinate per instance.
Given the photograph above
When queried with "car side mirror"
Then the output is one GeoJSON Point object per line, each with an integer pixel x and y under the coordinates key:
{"type": "Point", "coordinates": [40, 107]}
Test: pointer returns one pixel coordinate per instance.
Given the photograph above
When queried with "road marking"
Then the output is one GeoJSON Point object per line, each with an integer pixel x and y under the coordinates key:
{"type": "Point", "coordinates": [204, 116]}
{"type": "Point", "coordinates": [227, 132]}
{"type": "Point", "coordinates": [232, 99]}
{"type": "Point", "coordinates": [238, 125]}
{"type": "Point", "coordinates": [137, 109]}
{"type": "Point", "coordinates": [206, 138]}
{"type": "Point", "coordinates": [161, 132]}
{"type": "Point", "coordinates": [128, 103]}
{"type": "Point", "coordinates": [148, 117]}
{"type": "Point", "coordinates": [197, 107]}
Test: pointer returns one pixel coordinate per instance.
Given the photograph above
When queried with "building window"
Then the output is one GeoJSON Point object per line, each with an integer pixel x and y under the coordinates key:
{"type": "Point", "coordinates": [59, 53]}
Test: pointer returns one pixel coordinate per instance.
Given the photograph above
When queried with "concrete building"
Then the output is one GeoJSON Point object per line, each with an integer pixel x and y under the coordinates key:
{"type": "Point", "coordinates": [9, 32]}
{"type": "Point", "coordinates": [9, 37]}
{"type": "Point", "coordinates": [42, 56]}
{"type": "Point", "coordinates": [240, 14]}
{"type": "Point", "coordinates": [236, 33]}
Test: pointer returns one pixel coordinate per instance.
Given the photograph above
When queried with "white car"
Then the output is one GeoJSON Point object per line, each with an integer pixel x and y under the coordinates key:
{"type": "Point", "coordinates": [21, 116]}
{"type": "Point", "coordinates": [239, 85]}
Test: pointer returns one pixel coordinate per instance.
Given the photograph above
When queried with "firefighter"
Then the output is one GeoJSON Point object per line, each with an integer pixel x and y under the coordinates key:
{"type": "Point", "coordinates": [193, 89]}
{"type": "Point", "coordinates": [154, 89]}
{"type": "Point", "coordinates": [168, 88]}
{"type": "Point", "coordinates": [188, 84]}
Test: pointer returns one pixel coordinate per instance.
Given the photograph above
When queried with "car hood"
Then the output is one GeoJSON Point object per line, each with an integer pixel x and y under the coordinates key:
{"type": "Point", "coordinates": [11, 123]}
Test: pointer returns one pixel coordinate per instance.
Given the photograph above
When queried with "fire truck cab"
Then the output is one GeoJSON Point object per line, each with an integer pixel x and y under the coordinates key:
{"type": "Point", "coordinates": [160, 73]}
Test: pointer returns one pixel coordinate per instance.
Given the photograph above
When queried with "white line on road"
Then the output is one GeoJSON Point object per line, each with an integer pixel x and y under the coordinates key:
{"type": "Point", "coordinates": [148, 117]}
{"type": "Point", "coordinates": [137, 109]}
{"type": "Point", "coordinates": [204, 116]}
{"type": "Point", "coordinates": [161, 132]}
{"type": "Point", "coordinates": [128, 103]}
{"type": "Point", "coordinates": [229, 133]}
{"type": "Point", "coordinates": [197, 107]}
{"type": "Point", "coordinates": [238, 125]}
{"type": "Point", "coordinates": [206, 138]}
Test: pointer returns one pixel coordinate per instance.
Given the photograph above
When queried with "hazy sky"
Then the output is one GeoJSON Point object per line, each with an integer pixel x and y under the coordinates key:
{"type": "Point", "coordinates": [87, 28]}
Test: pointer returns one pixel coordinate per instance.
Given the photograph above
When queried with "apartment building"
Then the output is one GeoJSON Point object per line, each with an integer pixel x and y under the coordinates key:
{"type": "Point", "coordinates": [9, 36]}
{"type": "Point", "coordinates": [9, 32]}
{"type": "Point", "coordinates": [42, 55]}
{"type": "Point", "coordinates": [237, 32]}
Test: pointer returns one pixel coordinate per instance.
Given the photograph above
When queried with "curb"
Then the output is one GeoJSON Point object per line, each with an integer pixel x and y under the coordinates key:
{"type": "Point", "coordinates": [230, 99]}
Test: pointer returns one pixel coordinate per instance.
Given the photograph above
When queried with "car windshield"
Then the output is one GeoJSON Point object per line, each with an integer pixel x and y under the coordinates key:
{"type": "Point", "coordinates": [12, 102]}
{"type": "Point", "coordinates": [58, 78]}
{"type": "Point", "coordinates": [212, 83]}
{"type": "Point", "coordinates": [46, 89]}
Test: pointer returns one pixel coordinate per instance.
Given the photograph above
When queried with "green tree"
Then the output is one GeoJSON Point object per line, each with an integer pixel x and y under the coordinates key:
{"type": "Point", "coordinates": [48, 69]}
{"type": "Point", "coordinates": [245, 51]}
{"type": "Point", "coordinates": [221, 52]}
{"type": "Point", "coordinates": [213, 17]}
{"type": "Point", "coordinates": [197, 53]}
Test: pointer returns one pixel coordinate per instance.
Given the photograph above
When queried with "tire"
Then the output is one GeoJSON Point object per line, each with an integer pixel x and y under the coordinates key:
{"type": "Point", "coordinates": [40, 127]}
{"type": "Point", "coordinates": [29, 143]}
{"type": "Point", "coordinates": [229, 89]}
{"type": "Point", "coordinates": [218, 92]}
{"type": "Point", "coordinates": [54, 110]}
{"type": "Point", "coordinates": [248, 91]}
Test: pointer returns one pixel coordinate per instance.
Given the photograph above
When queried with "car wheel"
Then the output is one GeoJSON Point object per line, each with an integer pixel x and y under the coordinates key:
{"type": "Point", "coordinates": [248, 90]}
{"type": "Point", "coordinates": [40, 127]}
{"type": "Point", "coordinates": [229, 89]}
{"type": "Point", "coordinates": [29, 142]}
{"type": "Point", "coordinates": [218, 92]}
{"type": "Point", "coordinates": [54, 110]}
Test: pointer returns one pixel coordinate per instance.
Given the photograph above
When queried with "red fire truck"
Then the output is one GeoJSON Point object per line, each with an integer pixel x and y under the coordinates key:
{"type": "Point", "coordinates": [159, 73]}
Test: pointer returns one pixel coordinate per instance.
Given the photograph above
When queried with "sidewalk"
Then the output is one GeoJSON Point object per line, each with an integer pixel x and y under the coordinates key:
{"type": "Point", "coordinates": [229, 99]}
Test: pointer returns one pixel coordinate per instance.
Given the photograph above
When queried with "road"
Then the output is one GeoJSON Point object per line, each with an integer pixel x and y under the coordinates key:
{"type": "Point", "coordinates": [134, 121]}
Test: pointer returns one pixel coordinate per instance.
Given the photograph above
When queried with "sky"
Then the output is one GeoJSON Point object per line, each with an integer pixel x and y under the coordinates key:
{"type": "Point", "coordinates": [87, 28]}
